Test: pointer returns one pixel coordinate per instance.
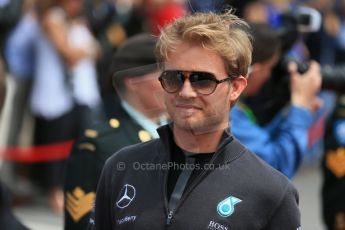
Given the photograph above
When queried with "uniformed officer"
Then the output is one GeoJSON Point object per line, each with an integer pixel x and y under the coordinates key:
{"type": "Point", "coordinates": [136, 117]}
{"type": "Point", "coordinates": [333, 170]}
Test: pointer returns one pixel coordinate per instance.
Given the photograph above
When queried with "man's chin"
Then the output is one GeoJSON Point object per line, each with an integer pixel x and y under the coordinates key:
{"type": "Point", "coordinates": [196, 126]}
{"type": "Point", "coordinates": [185, 123]}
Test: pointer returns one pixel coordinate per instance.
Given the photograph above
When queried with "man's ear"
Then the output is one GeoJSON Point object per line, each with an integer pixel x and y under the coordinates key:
{"type": "Point", "coordinates": [237, 87]}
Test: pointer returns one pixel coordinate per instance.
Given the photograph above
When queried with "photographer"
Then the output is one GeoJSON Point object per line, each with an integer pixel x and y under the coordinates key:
{"type": "Point", "coordinates": [284, 141]}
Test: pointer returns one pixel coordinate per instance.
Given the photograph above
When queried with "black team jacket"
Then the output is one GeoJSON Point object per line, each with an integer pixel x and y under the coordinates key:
{"type": "Point", "coordinates": [239, 192]}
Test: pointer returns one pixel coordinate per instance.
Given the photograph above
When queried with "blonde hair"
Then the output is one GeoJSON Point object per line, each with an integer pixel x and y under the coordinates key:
{"type": "Point", "coordinates": [226, 34]}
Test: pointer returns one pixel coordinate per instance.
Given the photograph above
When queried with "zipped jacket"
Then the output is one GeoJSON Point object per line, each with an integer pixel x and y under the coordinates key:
{"type": "Point", "coordinates": [238, 191]}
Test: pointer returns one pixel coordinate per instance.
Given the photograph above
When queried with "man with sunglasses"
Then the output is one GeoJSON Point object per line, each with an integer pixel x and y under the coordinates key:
{"type": "Point", "coordinates": [196, 175]}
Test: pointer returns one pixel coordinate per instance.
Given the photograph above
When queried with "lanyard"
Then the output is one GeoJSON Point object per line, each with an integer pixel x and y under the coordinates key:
{"type": "Point", "coordinates": [180, 187]}
{"type": "Point", "coordinates": [248, 112]}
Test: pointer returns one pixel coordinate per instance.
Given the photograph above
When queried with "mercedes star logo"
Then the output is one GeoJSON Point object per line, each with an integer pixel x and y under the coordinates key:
{"type": "Point", "coordinates": [127, 194]}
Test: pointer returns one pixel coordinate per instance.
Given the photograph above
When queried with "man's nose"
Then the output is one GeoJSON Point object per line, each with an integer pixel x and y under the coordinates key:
{"type": "Point", "coordinates": [187, 90]}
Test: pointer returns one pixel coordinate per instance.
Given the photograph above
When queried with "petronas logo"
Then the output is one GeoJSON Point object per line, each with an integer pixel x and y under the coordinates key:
{"type": "Point", "coordinates": [227, 207]}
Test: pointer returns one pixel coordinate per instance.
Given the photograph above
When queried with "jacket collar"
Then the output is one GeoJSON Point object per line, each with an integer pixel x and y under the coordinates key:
{"type": "Point", "coordinates": [228, 149]}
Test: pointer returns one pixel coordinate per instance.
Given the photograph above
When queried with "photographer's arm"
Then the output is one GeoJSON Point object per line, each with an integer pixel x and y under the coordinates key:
{"type": "Point", "coordinates": [282, 144]}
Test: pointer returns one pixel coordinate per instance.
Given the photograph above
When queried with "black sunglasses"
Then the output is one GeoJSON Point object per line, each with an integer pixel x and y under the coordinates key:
{"type": "Point", "coordinates": [203, 83]}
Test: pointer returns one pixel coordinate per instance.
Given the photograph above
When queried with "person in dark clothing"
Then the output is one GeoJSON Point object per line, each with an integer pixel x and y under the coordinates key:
{"type": "Point", "coordinates": [333, 173]}
{"type": "Point", "coordinates": [7, 218]}
{"type": "Point", "coordinates": [196, 175]}
{"type": "Point", "coordinates": [134, 120]}
{"type": "Point", "coordinates": [10, 13]}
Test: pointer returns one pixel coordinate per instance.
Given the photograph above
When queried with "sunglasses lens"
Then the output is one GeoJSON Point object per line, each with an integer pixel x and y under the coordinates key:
{"type": "Point", "coordinates": [202, 82]}
{"type": "Point", "coordinates": [172, 81]}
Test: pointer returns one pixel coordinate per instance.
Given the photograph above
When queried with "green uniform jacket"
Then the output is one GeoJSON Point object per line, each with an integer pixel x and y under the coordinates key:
{"type": "Point", "coordinates": [86, 161]}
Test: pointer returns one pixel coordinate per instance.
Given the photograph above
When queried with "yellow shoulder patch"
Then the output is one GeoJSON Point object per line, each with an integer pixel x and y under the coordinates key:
{"type": "Point", "coordinates": [144, 136]}
{"type": "Point", "coordinates": [87, 146]}
{"type": "Point", "coordinates": [339, 221]}
{"type": "Point", "coordinates": [341, 112]}
{"type": "Point", "coordinates": [335, 161]}
{"type": "Point", "coordinates": [114, 123]}
{"type": "Point", "coordinates": [78, 204]}
{"type": "Point", "coordinates": [91, 133]}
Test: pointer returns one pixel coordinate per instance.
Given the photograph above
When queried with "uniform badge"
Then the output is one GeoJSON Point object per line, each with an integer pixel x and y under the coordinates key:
{"type": "Point", "coordinates": [79, 203]}
{"type": "Point", "coordinates": [114, 123]}
{"type": "Point", "coordinates": [144, 136]}
{"type": "Point", "coordinates": [335, 162]}
{"type": "Point", "coordinates": [91, 133]}
{"type": "Point", "coordinates": [87, 146]}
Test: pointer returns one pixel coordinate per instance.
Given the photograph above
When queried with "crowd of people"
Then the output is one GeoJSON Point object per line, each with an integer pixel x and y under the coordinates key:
{"type": "Point", "coordinates": [170, 74]}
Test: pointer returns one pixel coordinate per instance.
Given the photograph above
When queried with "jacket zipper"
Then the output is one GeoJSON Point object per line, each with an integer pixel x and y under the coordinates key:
{"type": "Point", "coordinates": [170, 213]}
{"type": "Point", "coordinates": [170, 216]}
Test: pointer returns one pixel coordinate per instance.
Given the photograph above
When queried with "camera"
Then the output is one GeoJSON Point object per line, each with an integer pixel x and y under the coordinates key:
{"type": "Point", "coordinates": [293, 23]}
{"type": "Point", "coordinates": [275, 94]}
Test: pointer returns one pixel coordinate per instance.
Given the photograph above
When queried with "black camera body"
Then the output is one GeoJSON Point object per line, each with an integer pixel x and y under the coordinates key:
{"type": "Point", "coordinates": [275, 94]}
{"type": "Point", "coordinates": [293, 23]}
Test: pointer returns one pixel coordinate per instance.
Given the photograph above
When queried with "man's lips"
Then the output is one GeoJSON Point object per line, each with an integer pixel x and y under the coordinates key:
{"type": "Point", "coordinates": [187, 109]}
{"type": "Point", "coordinates": [187, 106]}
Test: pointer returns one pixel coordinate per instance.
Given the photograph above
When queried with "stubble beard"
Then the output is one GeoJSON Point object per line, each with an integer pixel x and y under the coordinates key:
{"type": "Point", "coordinates": [207, 124]}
